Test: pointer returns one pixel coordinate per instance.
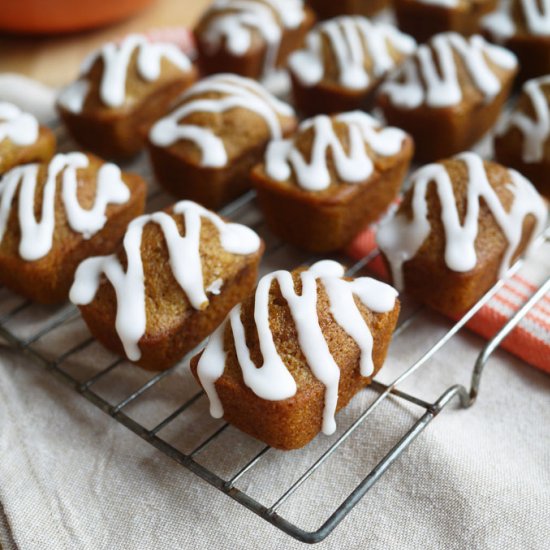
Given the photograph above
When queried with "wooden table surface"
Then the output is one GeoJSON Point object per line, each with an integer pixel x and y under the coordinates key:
{"type": "Point", "coordinates": [55, 60]}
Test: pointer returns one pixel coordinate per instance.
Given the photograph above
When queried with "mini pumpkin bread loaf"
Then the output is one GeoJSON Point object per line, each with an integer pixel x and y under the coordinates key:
{"type": "Point", "coordinates": [169, 285]}
{"type": "Point", "coordinates": [22, 139]}
{"type": "Point", "coordinates": [287, 359]}
{"type": "Point", "coordinates": [523, 141]}
{"type": "Point", "coordinates": [343, 62]}
{"type": "Point", "coordinates": [123, 88]}
{"type": "Point", "coordinates": [251, 38]}
{"type": "Point", "coordinates": [523, 26]}
{"type": "Point", "coordinates": [327, 9]}
{"type": "Point", "coordinates": [449, 94]}
{"type": "Point", "coordinates": [425, 18]}
{"type": "Point", "coordinates": [461, 225]}
{"type": "Point", "coordinates": [54, 215]}
{"type": "Point", "coordinates": [336, 175]}
{"type": "Point", "coordinates": [205, 148]}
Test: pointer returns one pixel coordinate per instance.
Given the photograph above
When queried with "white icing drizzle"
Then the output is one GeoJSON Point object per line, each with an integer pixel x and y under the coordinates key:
{"type": "Point", "coordinates": [353, 41]}
{"type": "Point", "coordinates": [232, 22]}
{"type": "Point", "coordinates": [19, 127]}
{"type": "Point", "coordinates": [431, 75]}
{"type": "Point", "coordinates": [400, 238]}
{"type": "Point", "coordinates": [536, 14]}
{"type": "Point", "coordinates": [273, 381]}
{"type": "Point", "coordinates": [355, 166]}
{"type": "Point", "coordinates": [536, 131]}
{"type": "Point", "coordinates": [235, 92]}
{"type": "Point", "coordinates": [185, 262]}
{"type": "Point", "coordinates": [116, 59]}
{"type": "Point", "coordinates": [37, 236]}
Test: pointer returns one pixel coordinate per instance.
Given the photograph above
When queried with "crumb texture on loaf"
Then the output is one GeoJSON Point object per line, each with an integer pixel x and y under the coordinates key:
{"type": "Point", "coordinates": [36, 220]}
{"type": "Point", "coordinates": [128, 275]}
{"type": "Point", "coordinates": [437, 74]}
{"type": "Point", "coordinates": [326, 151]}
{"type": "Point", "coordinates": [220, 117]}
{"type": "Point", "coordinates": [350, 51]}
{"type": "Point", "coordinates": [121, 73]}
{"type": "Point", "coordinates": [235, 24]}
{"type": "Point", "coordinates": [281, 341]}
{"type": "Point", "coordinates": [465, 187]}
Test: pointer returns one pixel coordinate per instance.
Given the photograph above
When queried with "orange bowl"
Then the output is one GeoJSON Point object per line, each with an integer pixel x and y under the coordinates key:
{"type": "Point", "coordinates": [60, 16]}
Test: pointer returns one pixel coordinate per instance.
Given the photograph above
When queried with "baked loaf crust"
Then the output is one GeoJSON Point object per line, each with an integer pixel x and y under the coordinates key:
{"type": "Point", "coordinates": [523, 26]}
{"type": "Point", "coordinates": [461, 225]}
{"type": "Point", "coordinates": [426, 18]}
{"type": "Point", "coordinates": [296, 352]}
{"type": "Point", "coordinates": [449, 94]}
{"type": "Point", "coordinates": [55, 215]}
{"type": "Point", "coordinates": [205, 148]}
{"type": "Point", "coordinates": [169, 285]}
{"type": "Point", "coordinates": [523, 141]}
{"type": "Point", "coordinates": [327, 9]}
{"type": "Point", "coordinates": [343, 62]}
{"type": "Point", "coordinates": [22, 139]}
{"type": "Point", "coordinates": [334, 177]}
{"type": "Point", "coordinates": [251, 38]}
{"type": "Point", "coordinates": [122, 89]}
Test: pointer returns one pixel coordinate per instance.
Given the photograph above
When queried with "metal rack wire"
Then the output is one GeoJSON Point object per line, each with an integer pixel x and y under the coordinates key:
{"type": "Point", "coordinates": [28, 341]}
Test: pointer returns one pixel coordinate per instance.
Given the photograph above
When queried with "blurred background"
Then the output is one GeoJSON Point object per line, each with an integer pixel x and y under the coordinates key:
{"type": "Point", "coordinates": [47, 39]}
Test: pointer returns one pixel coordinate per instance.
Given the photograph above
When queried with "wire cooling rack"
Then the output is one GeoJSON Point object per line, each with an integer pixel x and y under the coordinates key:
{"type": "Point", "coordinates": [30, 328]}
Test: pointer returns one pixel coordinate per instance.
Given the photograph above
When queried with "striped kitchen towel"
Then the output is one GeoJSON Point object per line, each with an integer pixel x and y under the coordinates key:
{"type": "Point", "coordinates": [530, 340]}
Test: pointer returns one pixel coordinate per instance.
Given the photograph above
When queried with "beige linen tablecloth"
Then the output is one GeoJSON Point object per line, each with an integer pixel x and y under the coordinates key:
{"type": "Point", "coordinates": [71, 477]}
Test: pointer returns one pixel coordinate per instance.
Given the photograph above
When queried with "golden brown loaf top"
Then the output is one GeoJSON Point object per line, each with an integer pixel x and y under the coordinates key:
{"type": "Point", "coordinates": [222, 118]}
{"type": "Point", "coordinates": [302, 335]}
{"type": "Point", "coordinates": [285, 335]}
{"type": "Point", "coordinates": [450, 71]}
{"type": "Point", "coordinates": [243, 27]}
{"type": "Point", "coordinates": [350, 52]}
{"type": "Point", "coordinates": [328, 152]}
{"type": "Point", "coordinates": [22, 138]}
{"type": "Point", "coordinates": [519, 18]}
{"type": "Point", "coordinates": [63, 215]}
{"type": "Point", "coordinates": [186, 253]}
{"type": "Point", "coordinates": [461, 213]}
{"type": "Point", "coordinates": [121, 76]}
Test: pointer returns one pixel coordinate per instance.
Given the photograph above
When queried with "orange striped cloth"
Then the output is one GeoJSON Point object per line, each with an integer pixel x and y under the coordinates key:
{"type": "Point", "coordinates": [530, 340]}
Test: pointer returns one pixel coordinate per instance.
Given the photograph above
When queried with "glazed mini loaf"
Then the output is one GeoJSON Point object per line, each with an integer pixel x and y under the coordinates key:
{"type": "Point", "coordinates": [122, 89]}
{"type": "Point", "coordinates": [251, 38]}
{"type": "Point", "coordinates": [292, 355]}
{"type": "Point", "coordinates": [54, 215]}
{"type": "Point", "coordinates": [462, 224]}
{"type": "Point", "coordinates": [426, 18]}
{"type": "Point", "coordinates": [523, 141]}
{"type": "Point", "coordinates": [449, 94]}
{"type": "Point", "coordinates": [334, 177]}
{"type": "Point", "coordinates": [327, 9]}
{"type": "Point", "coordinates": [22, 139]}
{"type": "Point", "coordinates": [523, 26]}
{"type": "Point", "coordinates": [169, 285]}
{"type": "Point", "coordinates": [205, 148]}
{"type": "Point", "coordinates": [343, 62]}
